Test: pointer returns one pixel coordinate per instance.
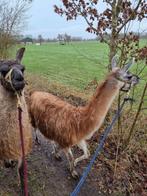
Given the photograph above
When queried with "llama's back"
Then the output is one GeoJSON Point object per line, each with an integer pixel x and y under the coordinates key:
{"type": "Point", "coordinates": [10, 144]}
{"type": "Point", "coordinates": [55, 118]}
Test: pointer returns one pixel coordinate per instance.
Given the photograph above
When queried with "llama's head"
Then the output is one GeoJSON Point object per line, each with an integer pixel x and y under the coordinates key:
{"type": "Point", "coordinates": [126, 78]}
{"type": "Point", "coordinates": [12, 72]}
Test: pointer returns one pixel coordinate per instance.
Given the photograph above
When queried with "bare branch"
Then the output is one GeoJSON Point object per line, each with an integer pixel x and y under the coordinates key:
{"type": "Point", "coordinates": [12, 18]}
{"type": "Point", "coordinates": [89, 23]}
{"type": "Point", "coordinates": [129, 18]}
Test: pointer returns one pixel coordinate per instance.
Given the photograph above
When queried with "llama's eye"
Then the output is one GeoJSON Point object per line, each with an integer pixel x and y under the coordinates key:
{"type": "Point", "coordinates": [128, 72]}
{"type": "Point", "coordinates": [4, 69]}
{"type": "Point", "coordinates": [22, 69]}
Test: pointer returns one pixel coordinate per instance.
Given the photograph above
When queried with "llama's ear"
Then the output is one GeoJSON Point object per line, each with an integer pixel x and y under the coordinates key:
{"type": "Point", "coordinates": [129, 64]}
{"type": "Point", "coordinates": [114, 62]}
{"type": "Point", "coordinates": [19, 55]}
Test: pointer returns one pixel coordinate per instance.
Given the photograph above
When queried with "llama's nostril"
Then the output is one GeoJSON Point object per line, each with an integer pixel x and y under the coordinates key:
{"type": "Point", "coordinates": [20, 78]}
{"type": "Point", "coordinates": [129, 77]}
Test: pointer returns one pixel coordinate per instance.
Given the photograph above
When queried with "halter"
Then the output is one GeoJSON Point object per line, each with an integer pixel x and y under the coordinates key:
{"type": "Point", "coordinates": [8, 78]}
{"type": "Point", "coordinates": [125, 82]}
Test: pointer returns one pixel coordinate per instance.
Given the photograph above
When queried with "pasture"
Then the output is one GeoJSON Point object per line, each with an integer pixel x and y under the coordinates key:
{"type": "Point", "coordinates": [74, 65]}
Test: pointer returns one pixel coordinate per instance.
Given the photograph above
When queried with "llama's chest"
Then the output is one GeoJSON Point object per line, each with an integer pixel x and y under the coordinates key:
{"type": "Point", "coordinates": [9, 130]}
{"type": "Point", "coordinates": [9, 113]}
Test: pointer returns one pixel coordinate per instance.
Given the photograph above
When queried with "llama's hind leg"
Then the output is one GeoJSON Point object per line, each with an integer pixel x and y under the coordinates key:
{"type": "Point", "coordinates": [70, 159]}
{"type": "Point", "coordinates": [83, 146]}
{"type": "Point", "coordinates": [56, 151]}
{"type": "Point", "coordinates": [37, 141]}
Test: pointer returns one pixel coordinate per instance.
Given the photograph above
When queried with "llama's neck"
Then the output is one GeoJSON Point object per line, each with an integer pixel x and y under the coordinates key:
{"type": "Point", "coordinates": [94, 113]}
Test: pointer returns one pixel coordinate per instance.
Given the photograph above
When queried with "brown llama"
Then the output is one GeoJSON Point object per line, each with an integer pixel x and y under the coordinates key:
{"type": "Point", "coordinates": [12, 81]}
{"type": "Point", "coordinates": [68, 125]}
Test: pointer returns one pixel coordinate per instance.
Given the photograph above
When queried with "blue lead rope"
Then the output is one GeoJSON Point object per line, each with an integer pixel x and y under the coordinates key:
{"type": "Point", "coordinates": [98, 150]}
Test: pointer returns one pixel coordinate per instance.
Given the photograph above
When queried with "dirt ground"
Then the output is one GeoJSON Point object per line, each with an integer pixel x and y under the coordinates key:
{"type": "Point", "coordinates": [47, 175]}
{"type": "Point", "coordinates": [50, 177]}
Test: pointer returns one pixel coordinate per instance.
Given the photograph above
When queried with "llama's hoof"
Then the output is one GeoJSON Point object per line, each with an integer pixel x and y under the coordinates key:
{"type": "Point", "coordinates": [75, 175]}
{"type": "Point", "coordinates": [22, 193]}
{"type": "Point", "coordinates": [58, 157]}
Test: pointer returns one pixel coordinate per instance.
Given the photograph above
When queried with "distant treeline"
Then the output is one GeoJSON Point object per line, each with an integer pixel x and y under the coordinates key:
{"type": "Point", "coordinates": [65, 38]}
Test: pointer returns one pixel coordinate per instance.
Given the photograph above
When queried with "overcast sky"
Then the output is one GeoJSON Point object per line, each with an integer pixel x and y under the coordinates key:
{"type": "Point", "coordinates": [43, 20]}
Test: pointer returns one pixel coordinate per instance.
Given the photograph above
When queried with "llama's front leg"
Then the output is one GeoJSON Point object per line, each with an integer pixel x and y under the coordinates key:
{"type": "Point", "coordinates": [21, 175]}
{"type": "Point", "coordinates": [70, 159]}
{"type": "Point", "coordinates": [83, 146]}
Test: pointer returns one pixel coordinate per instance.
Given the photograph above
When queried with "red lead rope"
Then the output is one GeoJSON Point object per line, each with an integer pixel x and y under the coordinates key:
{"type": "Point", "coordinates": [23, 152]}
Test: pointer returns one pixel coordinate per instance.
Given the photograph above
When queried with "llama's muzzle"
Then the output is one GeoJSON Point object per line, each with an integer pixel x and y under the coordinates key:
{"type": "Point", "coordinates": [134, 80]}
{"type": "Point", "coordinates": [15, 79]}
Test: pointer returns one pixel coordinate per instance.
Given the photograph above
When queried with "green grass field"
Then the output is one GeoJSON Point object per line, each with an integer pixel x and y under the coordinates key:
{"type": "Point", "coordinates": [73, 65]}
